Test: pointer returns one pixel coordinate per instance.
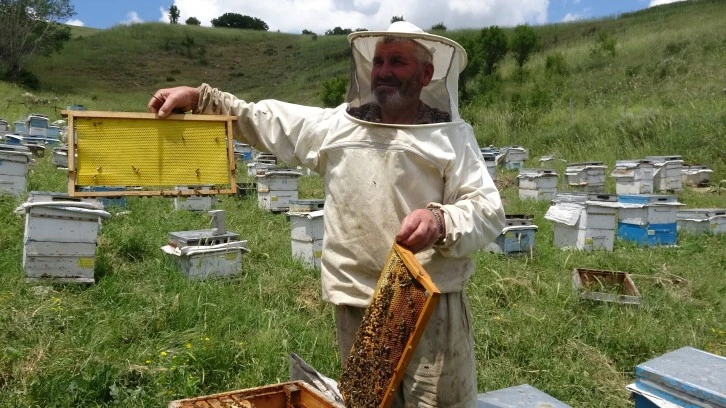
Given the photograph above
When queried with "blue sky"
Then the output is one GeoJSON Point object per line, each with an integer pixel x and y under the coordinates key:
{"type": "Point", "coordinates": [320, 15]}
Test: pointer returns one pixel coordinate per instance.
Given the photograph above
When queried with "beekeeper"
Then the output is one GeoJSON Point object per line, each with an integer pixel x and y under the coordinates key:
{"type": "Point", "coordinates": [398, 164]}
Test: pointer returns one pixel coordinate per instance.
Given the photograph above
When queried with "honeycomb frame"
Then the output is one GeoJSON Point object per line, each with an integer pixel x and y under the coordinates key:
{"type": "Point", "coordinates": [114, 154]}
{"type": "Point", "coordinates": [403, 301]}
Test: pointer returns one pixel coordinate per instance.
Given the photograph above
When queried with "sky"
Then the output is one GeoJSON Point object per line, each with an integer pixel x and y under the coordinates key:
{"type": "Point", "coordinates": [292, 16]}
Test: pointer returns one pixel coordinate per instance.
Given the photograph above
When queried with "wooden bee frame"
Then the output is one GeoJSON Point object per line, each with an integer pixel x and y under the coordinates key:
{"type": "Point", "coordinates": [404, 299]}
{"type": "Point", "coordinates": [295, 394]}
{"type": "Point", "coordinates": [140, 154]}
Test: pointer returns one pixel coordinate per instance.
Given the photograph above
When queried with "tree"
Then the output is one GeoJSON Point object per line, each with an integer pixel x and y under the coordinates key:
{"type": "Point", "coordinates": [338, 31]}
{"type": "Point", "coordinates": [29, 27]}
{"type": "Point", "coordinates": [396, 18]}
{"type": "Point", "coordinates": [305, 31]}
{"type": "Point", "coordinates": [174, 14]}
{"type": "Point", "coordinates": [493, 46]}
{"type": "Point", "coordinates": [193, 21]}
{"type": "Point", "coordinates": [524, 42]}
{"type": "Point", "coordinates": [234, 20]}
{"type": "Point", "coordinates": [438, 27]}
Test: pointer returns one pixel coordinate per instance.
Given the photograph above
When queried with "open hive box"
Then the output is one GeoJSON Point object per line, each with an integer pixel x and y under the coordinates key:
{"type": "Point", "coordinates": [295, 394]}
{"type": "Point", "coordinates": [605, 286]}
{"type": "Point", "coordinates": [402, 303]}
{"type": "Point", "coordinates": [148, 156]}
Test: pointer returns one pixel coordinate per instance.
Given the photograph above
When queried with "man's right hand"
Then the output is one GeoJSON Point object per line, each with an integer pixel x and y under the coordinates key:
{"type": "Point", "coordinates": [165, 101]}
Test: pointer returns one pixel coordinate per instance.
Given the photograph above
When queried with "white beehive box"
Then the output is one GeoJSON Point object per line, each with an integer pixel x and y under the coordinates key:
{"type": "Point", "coordinates": [193, 203]}
{"type": "Point", "coordinates": [539, 184]}
{"type": "Point", "coordinates": [490, 159]}
{"type": "Point", "coordinates": [308, 252]}
{"type": "Point", "coordinates": [702, 220]}
{"type": "Point", "coordinates": [14, 170]}
{"type": "Point", "coordinates": [588, 176]}
{"type": "Point", "coordinates": [667, 175]}
{"type": "Point", "coordinates": [206, 262]}
{"type": "Point", "coordinates": [633, 177]}
{"type": "Point", "coordinates": [648, 209]}
{"type": "Point", "coordinates": [60, 156]}
{"type": "Point", "coordinates": [514, 157]}
{"type": "Point", "coordinates": [60, 240]}
{"type": "Point", "coordinates": [696, 176]}
{"type": "Point", "coordinates": [584, 221]}
{"type": "Point", "coordinates": [37, 125]}
{"type": "Point", "coordinates": [275, 189]}
{"type": "Point", "coordinates": [517, 237]}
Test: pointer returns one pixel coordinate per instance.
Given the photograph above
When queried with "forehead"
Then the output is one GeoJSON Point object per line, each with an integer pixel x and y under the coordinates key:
{"type": "Point", "coordinates": [400, 49]}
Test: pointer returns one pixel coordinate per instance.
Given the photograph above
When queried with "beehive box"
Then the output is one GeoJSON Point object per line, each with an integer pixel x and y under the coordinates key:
{"type": "Point", "coordinates": [648, 219]}
{"type": "Point", "coordinates": [490, 159]}
{"type": "Point", "coordinates": [122, 149]}
{"type": "Point", "coordinates": [584, 221]}
{"type": "Point", "coordinates": [188, 202]}
{"type": "Point", "coordinates": [306, 237]}
{"type": "Point", "coordinates": [633, 177]}
{"type": "Point", "coordinates": [702, 220]}
{"type": "Point", "coordinates": [514, 157]}
{"type": "Point", "coordinates": [517, 237]}
{"type": "Point", "coordinates": [696, 176]}
{"type": "Point", "coordinates": [686, 377]}
{"type": "Point", "coordinates": [208, 261]}
{"type": "Point", "coordinates": [4, 125]}
{"type": "Point", "coordinates": [392, 325]}
{"type": "Point", "coordinates": [60, 156]}
{"type": "Point", "coordinates": [60, 240]}
{"type": "Point", "coordinates": [587, 176]}
{"type": "Point", "coordinates": [296, 394]}
{"type": "Point", "coordinates": [539, 184]}
{"type": "Point", "coordinates": [14, 170]}
{"type": "Point", "coordinates": [308, 251]}
{"type": "Point", "coordinates": [667, 175]}
{"type": "Point", "coordinates": [605, 286]}
{"type": "Point", "coordinates": [520, 396]}
{"type": "Point", "coordinates": [302, 206]}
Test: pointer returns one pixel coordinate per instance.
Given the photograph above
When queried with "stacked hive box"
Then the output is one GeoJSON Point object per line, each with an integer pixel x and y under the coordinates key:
{"type": "Point", "coordinates": [667, 175]}
{"type": "Point", "coordinates": [490, 159]}
{"type": "Point", "coordinates": [633, 177]}
{"type": "Point", "coordinates": [60, 156]}
{"type": "Point", "coordinates": [517, 236]}
{"type": "Point", "coordinates": [60, 240]}
{"type": "Point", "coordinates": [539, 184]}
{"type": "Point", "coordinates": [648, 219]}
{"type": "Point", "coordinates": [209, 253]}
{"type": "Point", "coordinates": [702, 220]}
{"type": "Point", "coordinates": [275, 189]}
{"type": "Point", "coordinates": [520, 396]}
{"type": "Point", "coordinates": [686, 377]}
{"type": "Point", "coordinates": [306, 231]}
{"type": "Point", "coordinates": [696, 176]}
{"type": "Point", "coordinates": [583, 221]}
{"type": "Point", "coordinates": [514, 157]}
{"type": "Point", "coordinates": [14, 161]}
{"type": "Point", "coordinates": [193, 203]}
{"type": "Point", "coordinates": [586, 176]}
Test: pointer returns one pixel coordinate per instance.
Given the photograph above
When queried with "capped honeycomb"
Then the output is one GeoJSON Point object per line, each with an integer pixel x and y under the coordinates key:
{"type": "Point", "coordinates": [391, 327]}
{"type": "Point", "coordinates": [123, 149]}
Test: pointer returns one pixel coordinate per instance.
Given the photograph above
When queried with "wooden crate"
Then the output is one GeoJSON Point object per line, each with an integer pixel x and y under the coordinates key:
{"type": "Point", "coordinates": [605, 286]}
{"type": "Point", "coordinates": [140, 150]}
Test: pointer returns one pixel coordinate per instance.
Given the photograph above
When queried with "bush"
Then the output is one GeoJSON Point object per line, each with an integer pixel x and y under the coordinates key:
{"type": "Point", "coordinates": [334, 91]}
{"type": "Point", "coordinates": [556, 64]}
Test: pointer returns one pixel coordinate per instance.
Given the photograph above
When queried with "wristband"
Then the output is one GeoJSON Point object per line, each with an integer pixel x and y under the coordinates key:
{"type": "Point", "coordinates": [439, 224]}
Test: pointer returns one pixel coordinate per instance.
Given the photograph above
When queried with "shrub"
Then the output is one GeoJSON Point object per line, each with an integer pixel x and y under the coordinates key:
{"type": "Point", "coordinates": [334, 91]}
{"type": "Point", "coordinates": [556, 64]}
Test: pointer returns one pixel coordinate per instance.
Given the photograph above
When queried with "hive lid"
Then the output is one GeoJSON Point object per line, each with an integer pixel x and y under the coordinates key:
{"type": "Point", "coordinates": [688, 374]}
{"type": "Point", "coordinates": [204, 237]}
{"type": "Point", "coordinates": [519, 396]}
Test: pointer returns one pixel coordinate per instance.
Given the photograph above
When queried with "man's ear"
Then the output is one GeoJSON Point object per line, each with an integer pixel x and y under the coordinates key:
{"type": "Point", "coordinates": [428, 73]}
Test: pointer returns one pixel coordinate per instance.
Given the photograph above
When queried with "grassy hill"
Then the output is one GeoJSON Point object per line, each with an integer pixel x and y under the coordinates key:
{"type": "Point", "coordinates": [143, 335]}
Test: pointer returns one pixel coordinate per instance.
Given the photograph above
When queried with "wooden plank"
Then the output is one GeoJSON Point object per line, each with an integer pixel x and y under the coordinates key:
{"type": "Point", "coordinates": [230, 154]}
{"type": "Point", "coordinates": [70, 142]}
{"type": "Point", "coordinates": [145, 115]}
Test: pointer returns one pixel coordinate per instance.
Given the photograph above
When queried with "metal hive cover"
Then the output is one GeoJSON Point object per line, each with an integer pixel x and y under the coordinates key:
{"type": "Point", "coordinates": [391, 328]}
{"type": "Point", "coordinates": [201, 237]}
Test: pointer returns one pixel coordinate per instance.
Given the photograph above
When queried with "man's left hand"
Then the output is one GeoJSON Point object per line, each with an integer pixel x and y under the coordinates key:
{"type": "Point", "coordinates": [418, 231]}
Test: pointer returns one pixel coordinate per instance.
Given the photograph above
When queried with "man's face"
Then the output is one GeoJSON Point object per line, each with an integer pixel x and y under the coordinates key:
{"type": "Point", "coordinates": [397, 76]}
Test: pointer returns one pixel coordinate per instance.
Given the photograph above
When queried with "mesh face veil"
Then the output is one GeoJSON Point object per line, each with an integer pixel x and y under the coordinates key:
{"type": "Point", "coordinates": [449, 59]}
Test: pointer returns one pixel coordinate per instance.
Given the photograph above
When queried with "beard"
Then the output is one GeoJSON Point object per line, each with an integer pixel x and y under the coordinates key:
{"type": "Point", "coordinates": [407, 93]}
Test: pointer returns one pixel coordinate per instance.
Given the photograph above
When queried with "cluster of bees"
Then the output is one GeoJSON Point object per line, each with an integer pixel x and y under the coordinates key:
{"type": "Point", "coordinates": [387, 326]}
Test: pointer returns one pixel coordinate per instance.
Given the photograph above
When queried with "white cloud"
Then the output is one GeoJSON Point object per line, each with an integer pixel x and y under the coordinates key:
{"type": "Point", "coordinates": [654, 3]}
{"type": "Point", "coordinates": [572, 17]}
{"type": "Point", "coordinates": [164, 15]}
{"type": "Point", "coordinates": [75, 22]}
{"type": "Point", "coordinates": [320, 15]}
{"type": "Point", "coordinates": [132, 18]}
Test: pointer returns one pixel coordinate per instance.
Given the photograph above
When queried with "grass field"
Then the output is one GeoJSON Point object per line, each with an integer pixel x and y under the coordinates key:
{"type": "Point", "coordinates": [143, 335]}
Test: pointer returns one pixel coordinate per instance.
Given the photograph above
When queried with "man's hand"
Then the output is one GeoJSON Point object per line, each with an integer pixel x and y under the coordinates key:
{"type": "Point", "coordinates": [165, 101]}
{"type": "Point", "coordinates": [418, 231]}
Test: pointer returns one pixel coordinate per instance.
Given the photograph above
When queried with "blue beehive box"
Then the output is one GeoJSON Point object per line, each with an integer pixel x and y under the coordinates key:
{"type": "Point", "coordinates": [521, 396]}
{"type": "Point", "coordinates": [648, 219]}
{"type": "Point", "coordinates": [686, 377]}
{"type": "Point", "coordinates": [517, 237]}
